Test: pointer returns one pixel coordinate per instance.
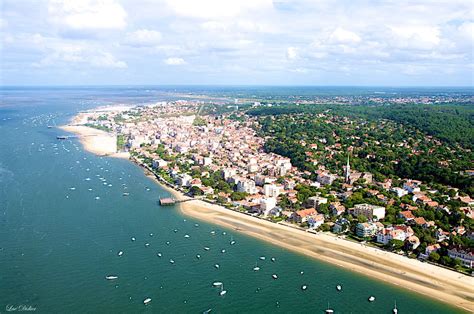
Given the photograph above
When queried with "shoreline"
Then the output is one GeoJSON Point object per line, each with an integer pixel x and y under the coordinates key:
{"type": "Point", "coordinates": [429, 280]}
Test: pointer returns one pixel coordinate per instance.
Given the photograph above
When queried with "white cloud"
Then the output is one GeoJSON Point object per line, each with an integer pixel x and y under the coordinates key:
{"type": "Point", "coordinates": [415, 36]}
{"type": "Point", "coordinates": [291, 53]}
{"type": "Point", "coordinates": [143, 38]}
{"type": "Point", "coordinates": [342, 36]}
{"type": "Point", "coordinates": [88, 14]}
{"type": "Point", "coordinates": [217, 9]}
{"type": "Point", "coordinates": [174, 61]}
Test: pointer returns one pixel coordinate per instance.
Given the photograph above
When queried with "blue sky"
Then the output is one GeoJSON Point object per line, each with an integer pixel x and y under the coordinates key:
{"type": "Point", "coordinates": [244, 42]}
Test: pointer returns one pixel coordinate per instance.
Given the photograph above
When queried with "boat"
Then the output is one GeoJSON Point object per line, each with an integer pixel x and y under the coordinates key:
{"type": "Point", "coordinates": [223, 292]}
{"type": "Point", "coordinates": [371, 298]}
{"type": "Point", "coordinates": [175, 230]}
{"type": "Point", "coordinates": [126, 194]}
{"type": "Point", "coordinates": [97, 197]}
{"type": "Point", "coordinates": [274, 276]}
{"type": "Point", "coordinates": [262, 258]}
{"type": "Point", "coordinates": [213, 232]}
{"type": "Point", "coordinates": [206, 248]}
{"type": "Point", "coordinates": [186, 236]}
{"type": "Point", "coordinates": [338, 288]}
{"type": "Point", "coordinates": [207, 311]}
{"type": "Point", "coordinates": [301, 272]}
{"type": "Point", "coordinates": [217, 284]}
{"type": "Point", "coordinates": [196, 225]}
{"type": "Point", "coordinates": [223, 251]}
{"type": "Point", "coordinates": [232, 242]}
{"type": "Point", "coordinates": [224, 233]}
{"type": "Point", "coordinates": [158, 254]}
{"type": "Point", "coordinates": [146, 301]}
{"type": "Point", "coordinates": [329, 310]}
{"type": "Point", "coordinates": [198, 256]}
{"type": "Point", "coordinates": [147, 244]}
{"type": "Point", "coordinates": [304, 287]}
{"type": "Point", "coordinates": [216, 266]}
{"type": "Point", "coordinates": [133, 239]}
{"type": "Point", "coordinates": [395, 310]}
{"type": "Point", "coordinates": [256, 268]}
{"type": "Point", "coordinates": [111, 277]}
{"type": "Point", "coordinates": [273, 259]}
{"type": "Point", "coordinates": [171, 261]}
{"type": "Point", "coordinates": [167, 242]}
{"type": "Point", "coordinates": [120, 253]}
{"type": "Point", "coordinates": [151, 234]}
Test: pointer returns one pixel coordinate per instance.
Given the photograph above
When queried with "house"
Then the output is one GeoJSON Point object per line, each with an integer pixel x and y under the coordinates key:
{"type": "Point", "coordinates": [275, 211]}
{"type": "Point", "coordinates": [369, 211]}
{"type": "Point", "coordinates": [271, 190]}
{"type": "Point", "coordinates": [465, 255]}
{"type": "Point", "coordinates": [341, 225]}
{"type": "Point", "coordinates": [412, 243]}
{"type": "Point", "coordinates": [429, 249]}
{"type": "Point", "coordinates": [316, 221]}
{"type": "Point", "coordinates": [247, 186]}
{"type": "Point", "coordinates": [301, 216]}
{"type": "Point", "coordinates": [441, 235]}
{"type": "Point", "coordinates": [467, 200]}
{"type": "Point", "coordinates": [337, 208]}
{"type": "Point", "coordinates": [385, 235]}
{"type": "Point", "coordinates": [184, 179]}
{"type": "Point", "coordinates": [406, 215]}
{"type": "Point", "coordinates": [399, 191]}
{"type": "Point", "coordinates": [267, 204]}
{"type": "Point", "coordinates": [420, 221]}
{"type": "Point", "coordinates": [412, 186]}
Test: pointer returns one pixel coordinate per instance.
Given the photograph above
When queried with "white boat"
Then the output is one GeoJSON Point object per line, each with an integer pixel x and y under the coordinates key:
{"type": "Point", "coordinates": [198, 256]}
{"type": "Point", "coordinates": [371, 298]}
{"type": "Point", "coordinates": [147, 244]}
{"type": "Point", "coordinates": [273, 259]}
{"type": "Point", "coordinates": [175, 230]}
{"type": "Point", "coordinates": [262, 258]}
{"type": "Point", "coordinates": [171, 261]}
{"type": "Point", "coordinates": [97, 197]}
{"type": "Point", "coordinates": [111, 277]}
{"type": "Point", "coordinates": [223, 251]}
{"type": "Point", "coordinates": [232, 242]}
{"type": "Point", "coordinates": [120, 253]}
{"type": "Point", "coordinates": [126, 194]}
{"type": "Point", "coordinates": [167, 242]}
{"type": "Point", "coordinates": [304, 287]}
{"type": "Point", "coordinates": [338, 288]}
{"type": "Point", "coordinates": [72, 189]}
{"type": "Point", "coordinates": [206, 248]}
{"type": "Point", "coordinates": [213, 232]}
{"type": "Point", "coordinates": [133, 239]}
{"type": "Point", "coordinates": [301, 272]}
{"type": "Point", "coordinates": [395, 310]}
{"type": "Point", "coordinates": [217, 284]}
{"type": "Point", "coordinates": [329, 310]}
{"type": "Point", "coordinates": [146, 301]}
{"type": "Point", "coordinates": [158, 254]}
{"type": "Point", "coordinates": [274, 276]}
{"type": "Point", "coordinates": [256, 268]}
{"type": "Point", "coordinates": [186, 236]}
{"type": "Point", "coordinates": [196, 225]}
{"type": "Point", "coordinates": [207, 311]}
{"type": "Point", "coordinates": [224, 233]}
{"type": "Point", "coordinates": [223, 292]}
{"type": "Point", "coordinates": [151, 234]}
{"type": "Point", "coordinates": [216, 266]}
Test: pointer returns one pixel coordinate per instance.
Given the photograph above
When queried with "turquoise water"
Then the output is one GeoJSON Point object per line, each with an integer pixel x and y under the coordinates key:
{"type": "Point", "coordinates": [58, 239]}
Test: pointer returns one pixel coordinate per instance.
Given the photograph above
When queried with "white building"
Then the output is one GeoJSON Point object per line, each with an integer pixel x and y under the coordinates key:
{"type": "Point", "coordinates": [271, 190]}
{"type": "Point", "coordinates": [158, 163]}
{"type": "Point", "coordinates": [369, 211]}
{"type": "Point", "coordinates": [267, 204]}
{"type": "Point", "coordinates": [247, 186]}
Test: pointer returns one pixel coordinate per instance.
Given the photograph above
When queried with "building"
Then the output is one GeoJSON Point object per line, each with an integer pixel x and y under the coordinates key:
{"type": "Point", "coordinates": [366, 229]}
{"type": "Point", "coordinates": [369, 211]}
{"type": "Point", "coordinates": [301, 216]}
{"type": "Point", "coordinates": [385, 235]}
{"type": "Point", "coordinates": [315, 201]}
{"type": "Point", "coordinates": [267, 204]}
{"type": "Point", "coordinates": [247, 186]}
{"type": "Point", "coordinates": [271, 190]}
{"type": "Point", "coordinates": [159, 163]}
{"type": "Point", "coordinates": [465, 255]}
{"type": "Point", "coordinates": [316, 221]}
{"type": "Point", "coordinates": [337, 208]}
{"type": "Point", "coordinates": [412, 186]}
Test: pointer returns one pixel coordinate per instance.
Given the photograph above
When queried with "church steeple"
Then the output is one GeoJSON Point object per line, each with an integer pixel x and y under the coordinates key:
{"type": "Point", "coordinates": [348, 170]}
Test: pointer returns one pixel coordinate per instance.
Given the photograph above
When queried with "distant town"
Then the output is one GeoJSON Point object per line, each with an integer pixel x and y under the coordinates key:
{"type": "Point", "coordinates": [342, 178]}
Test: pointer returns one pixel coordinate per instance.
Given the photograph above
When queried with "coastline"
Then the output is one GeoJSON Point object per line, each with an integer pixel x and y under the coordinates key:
{"type": "Point", "coordinates": [95, 141]}
{"type": "Point", "coordinates": [429, 280]}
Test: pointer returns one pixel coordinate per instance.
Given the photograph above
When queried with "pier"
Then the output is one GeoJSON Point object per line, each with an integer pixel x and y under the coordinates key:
{"type": "Point", "coordinates": [168, 201]}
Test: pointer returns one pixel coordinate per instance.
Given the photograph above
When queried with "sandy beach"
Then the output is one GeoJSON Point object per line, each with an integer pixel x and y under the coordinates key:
{"type": "Point", "coordinates": [432, 281]}
{"type": "Point", "coordinates": [95, 141]}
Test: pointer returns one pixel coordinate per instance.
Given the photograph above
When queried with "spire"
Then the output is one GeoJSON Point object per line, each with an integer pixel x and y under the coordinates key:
{"type": "Point", "coordinates": [348, 170]}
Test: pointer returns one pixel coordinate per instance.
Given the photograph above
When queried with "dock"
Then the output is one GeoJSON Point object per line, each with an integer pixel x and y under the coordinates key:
{"type": "Point", "coordinates": [168, 201]}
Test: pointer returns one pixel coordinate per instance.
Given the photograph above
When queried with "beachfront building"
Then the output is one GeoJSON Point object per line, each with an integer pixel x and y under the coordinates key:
{"type": "Point", "coordinates": [366, 229]}
{"type": "Point", "coordinates": [465, 255]}
{"type": "Point", "coordinates": [370, 211]}
{"type": "Point", "coordinates": [316, 201]}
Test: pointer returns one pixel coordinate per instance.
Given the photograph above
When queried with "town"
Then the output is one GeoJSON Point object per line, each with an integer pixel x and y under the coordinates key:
{"type": "Point", "coordinates": [224, 156]}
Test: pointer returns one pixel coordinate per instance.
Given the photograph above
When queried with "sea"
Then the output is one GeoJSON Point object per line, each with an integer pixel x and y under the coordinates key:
{"type": "Point", "coordinates": [64, 220]}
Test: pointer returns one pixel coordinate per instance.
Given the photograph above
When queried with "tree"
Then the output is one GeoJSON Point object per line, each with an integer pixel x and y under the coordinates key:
{"type": "Point", "coordinates": [238, 196]}
{"type": "Point", "coordinates": [395, 244]}
{"type": "Point", "coordinates": [434, 257]}
{"type": "Point", "coordinates": [362, 218]}
{"type": "Point", "coordinates": [194, 190]}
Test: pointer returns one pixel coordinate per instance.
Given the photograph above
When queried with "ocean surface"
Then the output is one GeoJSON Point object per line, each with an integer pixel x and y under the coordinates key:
{"type": "Point", "coordinates": [63, 220]}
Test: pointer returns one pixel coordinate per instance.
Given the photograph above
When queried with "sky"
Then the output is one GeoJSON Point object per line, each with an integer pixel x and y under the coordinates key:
{"type": "Point", "coordinates": [241, 42]}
